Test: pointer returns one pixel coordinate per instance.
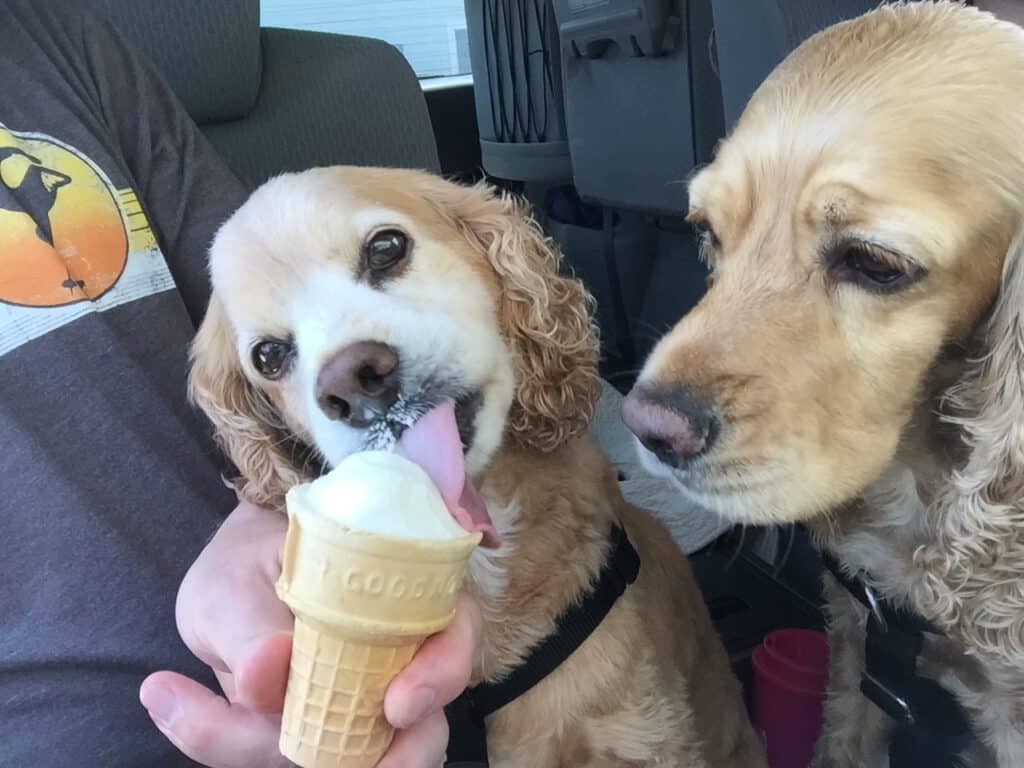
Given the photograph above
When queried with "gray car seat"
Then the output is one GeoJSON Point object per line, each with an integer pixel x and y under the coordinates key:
{"type": "Point", "coordinates": [752, 37]}
{"type": "Point", "coordinates": [274, 100]}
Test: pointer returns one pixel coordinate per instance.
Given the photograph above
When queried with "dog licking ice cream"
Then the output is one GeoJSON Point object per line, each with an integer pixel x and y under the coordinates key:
{"type": "Point", "coordinates": [375, 554]}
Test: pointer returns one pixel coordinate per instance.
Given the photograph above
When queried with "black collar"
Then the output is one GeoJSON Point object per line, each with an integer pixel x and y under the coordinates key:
{"type": "Point", "coordinates": [931, 728]}
{"type": "Point", "coordinates": [467, 740]}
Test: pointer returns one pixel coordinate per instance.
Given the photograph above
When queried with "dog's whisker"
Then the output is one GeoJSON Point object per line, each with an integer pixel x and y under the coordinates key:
{"type": "Point", "coordinates": [738, 549]}
{"type": "Point", "coordinates": [623, 374]}
{"type": "Point", "coordinates": [650, 327]}
{"type": "Point", "coordinates": [384, 433]}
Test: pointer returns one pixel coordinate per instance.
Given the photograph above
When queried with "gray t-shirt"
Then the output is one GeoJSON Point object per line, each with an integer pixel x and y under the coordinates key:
{"type": "Point", "coordinates": [109, 483]}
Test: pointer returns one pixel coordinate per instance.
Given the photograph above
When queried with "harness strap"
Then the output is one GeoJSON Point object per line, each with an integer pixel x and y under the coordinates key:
{"type": "Point", "coordinates": [931, 728]}
{"type": "Point", "coordinates": [467, 741]}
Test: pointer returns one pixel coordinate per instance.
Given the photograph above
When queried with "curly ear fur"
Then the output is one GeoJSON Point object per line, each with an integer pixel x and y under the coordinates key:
{"type": "Point", "coordinates": [975, 571]}
{"type": "Point", "coordinates": [547, 317]}
{"type": "Point", "coordinates": [246, 426]}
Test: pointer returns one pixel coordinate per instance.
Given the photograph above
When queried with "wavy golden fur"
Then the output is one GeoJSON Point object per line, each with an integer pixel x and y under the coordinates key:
{"type": "Point", "coordinates": [247, 426]}
{"type": "Point", "coordinates": [478, 301]}
{"type": "Point", "coordinates": [887, 413]}
{"type": "Point", "coordinates": [546, 316]}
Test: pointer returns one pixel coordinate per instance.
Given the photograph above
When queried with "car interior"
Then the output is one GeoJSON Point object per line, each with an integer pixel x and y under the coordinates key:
{"type": "Point", "coordinates": [596, 112]}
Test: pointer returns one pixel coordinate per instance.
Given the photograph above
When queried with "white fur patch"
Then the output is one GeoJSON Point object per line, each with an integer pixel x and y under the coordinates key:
{"type": "Point", "coordinates": [487, 567]}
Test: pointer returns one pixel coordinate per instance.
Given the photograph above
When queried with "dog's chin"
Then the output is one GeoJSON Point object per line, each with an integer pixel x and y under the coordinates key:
{"type": "Point", "coordinates": [703, 484]}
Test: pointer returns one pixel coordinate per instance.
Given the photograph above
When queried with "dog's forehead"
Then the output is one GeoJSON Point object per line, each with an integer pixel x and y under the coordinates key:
{"type": "Point", "coordinates": [874, 182]}
{"type": "Point", "coordinates": [895, 181]}
{"type": "Point", "coordinates": [297, 243]}
{"type": "Point", "coordinates": [317, 214]}
{"type": "Point", "coordinates": [297, 221]}
{"type": "Point", "coordinates": [889, 105]}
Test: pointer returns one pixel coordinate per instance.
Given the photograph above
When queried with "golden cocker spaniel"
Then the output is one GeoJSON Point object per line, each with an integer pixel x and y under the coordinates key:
{"type": "Point", "coordinates": [858, 360]}
{"type": "Point", "coordinates": [346, 302]}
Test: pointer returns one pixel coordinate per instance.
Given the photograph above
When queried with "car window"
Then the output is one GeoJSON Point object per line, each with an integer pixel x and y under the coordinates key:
{"type": "Point", "coordinates": [430, 33]}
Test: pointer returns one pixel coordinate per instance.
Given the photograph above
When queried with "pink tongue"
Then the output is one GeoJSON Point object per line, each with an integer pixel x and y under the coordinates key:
{"type": "Point", "coordinates": [433, 442]}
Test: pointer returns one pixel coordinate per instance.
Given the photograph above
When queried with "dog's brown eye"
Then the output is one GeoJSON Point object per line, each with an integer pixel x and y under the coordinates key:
{"type": "Point", "coordinates": [271, 357]}
{"type": "Point", "coordinates": [385, 249]}
{"type": "Point", "coordinates": [860, 263]}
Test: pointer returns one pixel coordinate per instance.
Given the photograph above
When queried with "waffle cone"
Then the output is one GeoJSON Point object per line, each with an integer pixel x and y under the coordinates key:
{"type": "Point", "coordinates": [363, 605]}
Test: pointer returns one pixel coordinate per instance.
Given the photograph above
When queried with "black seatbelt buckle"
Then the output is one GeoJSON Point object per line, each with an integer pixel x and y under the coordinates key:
{"type": "Point", "coordinates": [890, 666]}
{"type": "Point", "coordinates": [887, 700]}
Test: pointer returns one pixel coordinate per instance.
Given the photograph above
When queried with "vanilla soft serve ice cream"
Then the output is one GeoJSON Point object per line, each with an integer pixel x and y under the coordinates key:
{"type": "Point", "coordinates": [383, 493]}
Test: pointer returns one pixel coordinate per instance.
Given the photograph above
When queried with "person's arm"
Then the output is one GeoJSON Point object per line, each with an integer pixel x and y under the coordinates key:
{"type": "Point", "coordinates": [185, 188]}
{"type": "Point", "coordinates": [230, 617]}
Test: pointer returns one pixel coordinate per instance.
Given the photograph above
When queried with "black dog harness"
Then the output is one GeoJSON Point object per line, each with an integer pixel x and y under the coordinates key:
{"type": "Point", "coordinates": [467, 740]}
{"type": "Point", "coordinates": [931, 728]}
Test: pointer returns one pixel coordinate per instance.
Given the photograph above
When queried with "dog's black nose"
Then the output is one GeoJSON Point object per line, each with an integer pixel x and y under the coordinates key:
{"type": "Point", "coordinates": [671, 423]}
{"type": "Point", "coordinates": [359, 384]}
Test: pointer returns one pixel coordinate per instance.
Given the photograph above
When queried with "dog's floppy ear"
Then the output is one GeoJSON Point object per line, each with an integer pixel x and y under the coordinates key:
{"type": "Point", "coordinates": [990, 397]}
{"type": "Point", "coordinates": [246, 425]}
{"type": "Point", "coordinates": [979, 551]}
{"type": "Point", "coordinates": [546, 316]}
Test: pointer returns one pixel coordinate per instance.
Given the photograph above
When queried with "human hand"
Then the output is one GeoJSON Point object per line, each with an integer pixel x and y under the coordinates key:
{"type": "Point", "coordinates": [230, 616]}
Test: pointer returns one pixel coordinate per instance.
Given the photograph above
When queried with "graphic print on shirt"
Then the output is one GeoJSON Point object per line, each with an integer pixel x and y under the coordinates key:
{"type": "Point", "coordinates": [71, 242]}
{"type": "Point", "coordinates": [26, 181]}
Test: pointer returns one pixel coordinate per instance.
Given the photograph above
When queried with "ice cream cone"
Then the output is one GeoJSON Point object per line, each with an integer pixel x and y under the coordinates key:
{"type": "Point", "coordinates": [363, 604]}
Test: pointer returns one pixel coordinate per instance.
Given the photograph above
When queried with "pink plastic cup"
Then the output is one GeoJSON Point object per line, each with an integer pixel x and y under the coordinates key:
{"type": "Point", "coordinates": [790, 676]}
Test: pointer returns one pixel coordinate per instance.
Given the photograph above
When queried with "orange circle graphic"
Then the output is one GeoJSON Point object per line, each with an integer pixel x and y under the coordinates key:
{"type": "Point", "coordinates": [62, 235]}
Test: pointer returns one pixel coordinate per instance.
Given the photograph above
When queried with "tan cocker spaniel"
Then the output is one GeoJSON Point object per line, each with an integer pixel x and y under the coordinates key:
{"type": "Point", "coordinates": [344, 295]}
{"type": "Point", "coordinates": [858, 361]}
